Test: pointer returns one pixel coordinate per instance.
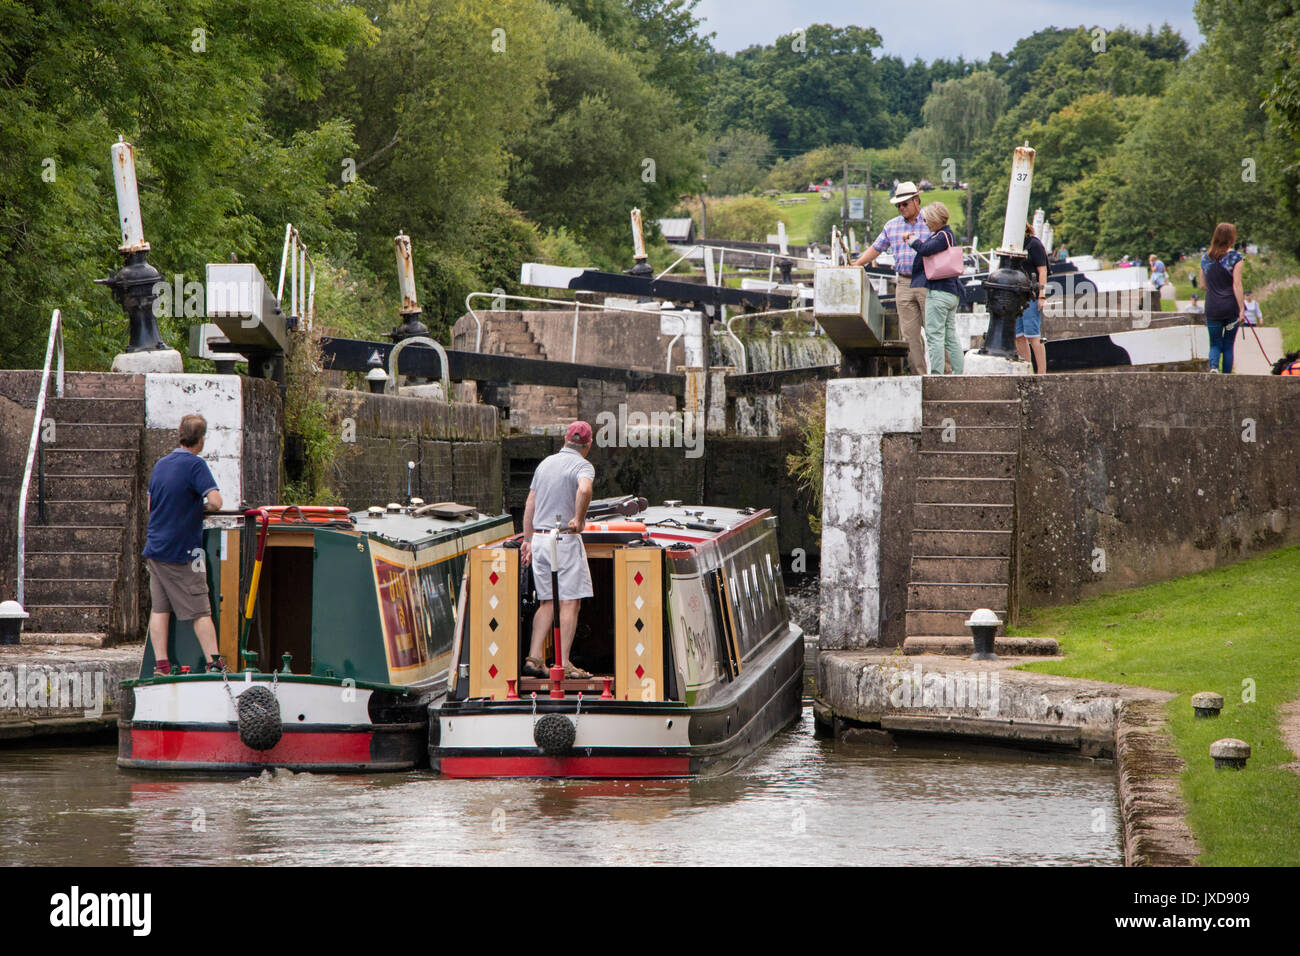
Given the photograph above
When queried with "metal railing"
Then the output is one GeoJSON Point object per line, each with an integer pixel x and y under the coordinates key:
{"type": "Point", "coordinates": [302, 293]}
{"type": "Point", "coordinates": [55, 339]}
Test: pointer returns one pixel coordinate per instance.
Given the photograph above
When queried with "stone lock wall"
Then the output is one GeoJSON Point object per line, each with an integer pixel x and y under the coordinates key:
{"type": "Point", "coordinates": [455, 448]}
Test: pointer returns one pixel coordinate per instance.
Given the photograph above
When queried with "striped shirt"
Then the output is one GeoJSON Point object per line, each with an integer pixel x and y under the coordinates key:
{"type": "Point", "coordinates": [891, 240]}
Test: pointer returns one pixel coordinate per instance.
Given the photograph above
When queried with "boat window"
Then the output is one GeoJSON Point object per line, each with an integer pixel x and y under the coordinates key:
{"type": "Point", "coordinates": [724, 616]}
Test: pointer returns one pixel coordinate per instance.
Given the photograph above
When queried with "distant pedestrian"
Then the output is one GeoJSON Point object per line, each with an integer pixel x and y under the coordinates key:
{"type": "Point", "coordinates": [910, 292]}
{"type": "Point", "coordinates": [1225, 305]}
{"type": "Point", "coordinates": [1196, 308]}
{"type": "Point", "coordinates": [1029, 323]}
{"type": "Point", "coordinates": [180, 489]}
{"type": "Point", "coordinates": [1158, 275]}
{"type": "Point", "coordinates": [941, 266]}
{"type": "Point", "coordinates": [1253, 315]}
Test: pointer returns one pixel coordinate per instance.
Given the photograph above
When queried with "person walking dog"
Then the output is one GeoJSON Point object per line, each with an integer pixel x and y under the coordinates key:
{"type": "Point", "coordinates": [1225, 303]}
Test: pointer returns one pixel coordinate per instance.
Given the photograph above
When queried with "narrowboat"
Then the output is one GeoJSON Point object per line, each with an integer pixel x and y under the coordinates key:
{"type": "Point", "coordinates": [337, 628]}
{"type": "Point", "coordinates": [694, 658]}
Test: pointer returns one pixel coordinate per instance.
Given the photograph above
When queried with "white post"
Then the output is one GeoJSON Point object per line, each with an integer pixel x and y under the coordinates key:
{"type": "Point", "coordinates": [1022, 177]}
{"type": "Point", "coordinates": [1039, 218]}
{"type": "Point", "coordinates": [638, 240]}
{"type": "Point", "coordinates": [781, 237]}
{"type": "Point", "coordinates": [128, 198]}
{"type": "Point", "coordinates": [406, 273]}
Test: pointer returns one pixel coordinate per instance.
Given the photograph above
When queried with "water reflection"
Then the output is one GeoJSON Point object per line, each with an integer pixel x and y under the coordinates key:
{"type": "Point", "coordinates": [799, 800]}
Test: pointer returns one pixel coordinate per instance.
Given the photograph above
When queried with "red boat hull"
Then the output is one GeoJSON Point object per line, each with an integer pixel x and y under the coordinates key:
{"type": "Point", "coordinates": [587, 767]}
{"type": "Point", "coordinates": [218, 747]}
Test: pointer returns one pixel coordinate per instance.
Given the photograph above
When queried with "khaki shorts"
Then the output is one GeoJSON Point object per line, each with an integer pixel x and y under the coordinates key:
{"type": "Point", "coordinates": [575, 575]}
{"type": "Point", "coordinates": [178, 588]}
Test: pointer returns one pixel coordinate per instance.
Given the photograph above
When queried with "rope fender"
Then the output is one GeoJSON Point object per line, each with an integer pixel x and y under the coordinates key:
{"type": "Point", "coordinates": [259, 718]}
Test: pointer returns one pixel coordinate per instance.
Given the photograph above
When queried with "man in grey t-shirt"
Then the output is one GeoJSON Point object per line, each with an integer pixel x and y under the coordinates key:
{"type": "Point", "coordinates": [562, 486]}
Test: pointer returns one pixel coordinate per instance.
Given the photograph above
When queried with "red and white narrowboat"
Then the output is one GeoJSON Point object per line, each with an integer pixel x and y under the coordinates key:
{"type": "Point", "coordinates": [338, 628]}
{"type": "Point", "coordinates": [696, 662]}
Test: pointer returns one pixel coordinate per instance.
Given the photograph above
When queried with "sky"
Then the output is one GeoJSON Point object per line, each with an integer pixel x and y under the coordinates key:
{"type": "Point", "coordinates": [932, 29]}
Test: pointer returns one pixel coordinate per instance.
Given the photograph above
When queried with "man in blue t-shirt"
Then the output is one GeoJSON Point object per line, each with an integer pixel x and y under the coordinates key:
{"type": "Point", "coordinates": [180, 488]}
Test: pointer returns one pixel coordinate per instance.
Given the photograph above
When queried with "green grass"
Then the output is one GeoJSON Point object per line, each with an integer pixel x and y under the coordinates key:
{"type": "Point", "coordinates": [1226, 630]}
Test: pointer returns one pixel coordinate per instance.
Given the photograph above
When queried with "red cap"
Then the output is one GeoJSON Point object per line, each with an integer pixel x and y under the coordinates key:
{"type": "Point", "coordinates": [579, 433]}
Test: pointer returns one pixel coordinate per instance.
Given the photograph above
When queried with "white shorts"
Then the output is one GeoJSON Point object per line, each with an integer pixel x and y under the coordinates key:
{"type": "Point", "coordinates": [575, 576]}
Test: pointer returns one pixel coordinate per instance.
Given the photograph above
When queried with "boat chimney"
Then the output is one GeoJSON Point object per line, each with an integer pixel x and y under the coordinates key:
{"type": "Point", "coordinates": [411, 325]}
{"type": "Point", "coordinates": [134, 285]}
{"type": "Point", "coordinates": [1009, 288]}
{"type": "Point", "coordinates": [642, 266]}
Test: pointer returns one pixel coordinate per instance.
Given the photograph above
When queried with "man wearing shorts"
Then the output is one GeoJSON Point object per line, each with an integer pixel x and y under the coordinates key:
{"type": "Point", "coordinates": [180, 488]}
{"type": "Point", "coordinates": [562, 485]}
{"type": "Point", "coordinates": [1029, 323]}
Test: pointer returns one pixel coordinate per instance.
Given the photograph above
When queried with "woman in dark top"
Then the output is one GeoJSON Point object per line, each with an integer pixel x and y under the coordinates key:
{"type": "Point", "coordinates": [1225, 305]}
{"type": "Point", "coordinates": [942, 296]}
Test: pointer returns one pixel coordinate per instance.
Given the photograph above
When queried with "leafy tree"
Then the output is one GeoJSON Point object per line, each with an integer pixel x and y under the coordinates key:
{"type": "Point", "coordinates": [738, 163]}
{"type": "Point", "coordinates": [185, 82]}
{"type": "Point", "coordinates": [960, 112]}
{"type": "Point", "coordinates": [605, 141]}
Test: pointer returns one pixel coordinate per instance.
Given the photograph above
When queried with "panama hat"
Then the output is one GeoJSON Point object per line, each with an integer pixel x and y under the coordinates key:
{"type": "Point", "coordinates": [903, 192]}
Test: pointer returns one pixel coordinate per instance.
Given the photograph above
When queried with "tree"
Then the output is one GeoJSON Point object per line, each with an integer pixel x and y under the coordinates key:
{"type": "Point", "coordinates": [738, 162]}
{"type": "Point", "coordinates": [961, 112]}
{"type": "Point", "coordinates": [605, 141]}
{"type": "Point", "coordinates": [185, 82]}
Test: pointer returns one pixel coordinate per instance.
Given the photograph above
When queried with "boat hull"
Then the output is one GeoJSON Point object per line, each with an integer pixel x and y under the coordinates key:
{"type": "Point", "coordinates": [623, 739]}
{"type": "Point", "coordinates": [327, 726]}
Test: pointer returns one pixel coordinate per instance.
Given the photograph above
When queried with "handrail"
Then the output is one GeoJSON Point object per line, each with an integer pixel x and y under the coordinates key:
{"type": "Point", "coordinates": [56, 337]}
{"type": "Point", "coordinates": [302, 294]}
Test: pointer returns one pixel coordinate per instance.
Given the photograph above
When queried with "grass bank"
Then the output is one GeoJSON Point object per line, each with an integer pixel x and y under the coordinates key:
{"type": "Point", "coordinates": [1234, 631]}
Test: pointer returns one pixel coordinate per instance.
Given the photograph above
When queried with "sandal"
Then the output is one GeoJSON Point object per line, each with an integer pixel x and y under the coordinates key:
{"type": "Point", "coordinates": [534, 668]}
{"type": "Point", "coordinates": [575, 673]}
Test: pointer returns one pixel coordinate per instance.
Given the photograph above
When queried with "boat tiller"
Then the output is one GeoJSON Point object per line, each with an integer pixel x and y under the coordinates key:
{"type": "Point", "coordinates": [557, 669]}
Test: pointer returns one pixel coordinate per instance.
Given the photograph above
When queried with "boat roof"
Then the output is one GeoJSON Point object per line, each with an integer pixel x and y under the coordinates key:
{"type": "Point", "coordinates": [406, 529]}
{"type": "Point", "coordinates": [688, 522]}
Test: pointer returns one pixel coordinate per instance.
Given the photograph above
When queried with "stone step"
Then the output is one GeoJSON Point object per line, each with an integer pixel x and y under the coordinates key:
{"type": "Point", "coordinates": [79, 487]}
{"type": "Point", "coordinates": [73, 564]}
{"type": "Point", "coordinates": [967, 464]}
{"type": "Point", "coordinates": [65, 460]}
{"type": "Point", "coordinates": [946, 388]}
{"type": "Point", "coordinates": [970, 438]}
{"type": "Point", "coordinates": [72, 537]}
{"type": "Point", "coordinates": [931, 516]}
{"type": "Point", "coordinates": [93, 511]}
{"type": "Point", "coordinates": [971, 412]}
{"type": "Point", "coordinates": [954, 569]}
{"type": "Point", "coordinates": [993, 491]}
{"type": "Point", "coordinates": [68, 618]}
{"type": "Point", "coordinates": [931, 596]}
{"type": "Point", "coordinates": [109, 410]}
{"type": "Point", "coordinates": [115, 435]}
{"type": "Point", "coordinates": [71, 639]}
{"type": "Point", "coordinates": [102, 385]}
{"type": "Point", "coordinates": [962, 543]}
{"type": "Point", "coordinates": [1003, 646]}
{"type": "Point", "coordinates": [69, 590]}
{"type": "Point", "coordinates": [945, 622]}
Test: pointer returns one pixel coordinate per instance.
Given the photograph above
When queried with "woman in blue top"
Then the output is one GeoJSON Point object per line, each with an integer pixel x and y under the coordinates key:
{"type": "Point", "coordinates": [1225, 305]}
{"type": "Point", "coordinates": [942, 296]}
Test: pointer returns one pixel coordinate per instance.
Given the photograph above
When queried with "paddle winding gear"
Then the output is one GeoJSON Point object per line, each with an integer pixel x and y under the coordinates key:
{"type": "Point", "coordinates": [259, 718]}
{"type": "Point", "coordinates": [555, 734]}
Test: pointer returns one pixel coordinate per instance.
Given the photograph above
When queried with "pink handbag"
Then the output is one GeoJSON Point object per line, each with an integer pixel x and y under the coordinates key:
{"type": "Point", "coordinates": [944, 265]}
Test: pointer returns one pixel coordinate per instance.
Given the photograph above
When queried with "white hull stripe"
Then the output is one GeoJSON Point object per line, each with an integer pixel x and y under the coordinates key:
{"type": "Point", "coordinates": [206, 702]}
{"type": "Point", "coordinates": [594, 730]}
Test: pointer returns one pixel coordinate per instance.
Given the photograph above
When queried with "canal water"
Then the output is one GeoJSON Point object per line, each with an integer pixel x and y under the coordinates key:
{"type": "Point", "coordinates": [799, 800]}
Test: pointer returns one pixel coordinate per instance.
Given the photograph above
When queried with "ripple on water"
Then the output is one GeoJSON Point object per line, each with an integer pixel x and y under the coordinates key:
{"type": "Point", "coordinates": [799, 800]}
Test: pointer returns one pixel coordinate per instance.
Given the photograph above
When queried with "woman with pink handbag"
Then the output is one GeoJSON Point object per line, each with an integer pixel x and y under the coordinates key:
{"type": "Point", "coordinates": [941, 256]}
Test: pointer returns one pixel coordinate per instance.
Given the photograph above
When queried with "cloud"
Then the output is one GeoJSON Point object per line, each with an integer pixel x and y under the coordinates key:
{"type": "Point", "coordinates": [939, 28]}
